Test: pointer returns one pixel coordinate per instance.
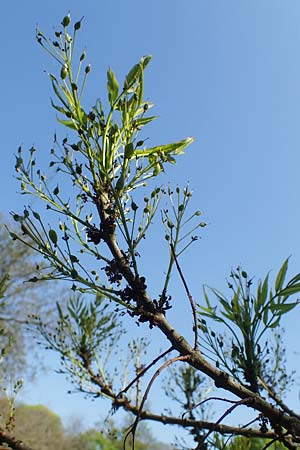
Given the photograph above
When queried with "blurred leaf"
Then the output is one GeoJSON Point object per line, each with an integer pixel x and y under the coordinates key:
{"type": "Point", "coordinates": [275, 323]}
{"type": "Point", "coordinates": [283, 307]}
{"type": "Point", "coordinates": [289, 290]}
{"type": "Point", "coordinates": [3, 285]}
{"type": "Point", "coordinates": [281, 275]}
{"type": "Point", "coordinates": [262, 292]}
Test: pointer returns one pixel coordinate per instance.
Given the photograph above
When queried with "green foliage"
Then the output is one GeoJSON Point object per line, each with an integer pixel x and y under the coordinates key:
{"type": "Point", "coordinates": [106, 162]}
{"type": "Point", "coordinates": [245, 443]}
{"type": "Point", "coordinates": [247, 317]}
{"type": "Point", "coordinates": [36, 425]}
{"type": "Point", "coordinates": [19, 299]}
{"type": "Point", "coordinates": [85, 335]}
{"type": "Point", "coordinates": [112, 439]}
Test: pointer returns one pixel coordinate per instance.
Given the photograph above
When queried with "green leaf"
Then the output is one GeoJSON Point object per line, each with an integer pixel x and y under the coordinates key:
{"type": "Point", "coordinates": [72, 313]}
{"type": "Point", "coordinates": [136, 71]}
{"type": "Point", "coordinates": [132, 76]}
{"type": "Point", "coordinates": [283, 308]}
{"type": "Point", "coordinates": [53, 236]}
{"type": "Point", "coordinates": [275, 323]}
{"type": "Point", "coordinates": [294, 280]}
{"type": "Point", "coordinates": [265, 316]}
{"type": "Point", "coordinates": [175, 148]}
{"type": "Point", "coordinates": [138, 123]}
{"type": "Point", "coordinates": [145, 60]}
{"type": "Point", "coordinates": [59, 108]}
{"type": "Point", "coordinates": [112, 86]}
{"type": "Point", "coordinates": [60, 313]}
{"type": "Point", "coordinates": [262, 292]}
{"type": "Point", "coordinates": [58, 94]}
{"type": "Point", "coordinates": [281, 275]}
{"type": "Point", "coordinates": [67, 123]}
{"type": "Point", "coordinates": [209, 307]}
{"type": "Point", "coordinates": [3, 285]}
{"type": "Point", "coordinates": [286, 292]}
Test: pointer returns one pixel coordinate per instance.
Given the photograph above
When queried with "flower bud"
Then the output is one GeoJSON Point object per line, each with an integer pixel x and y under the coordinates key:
{"type": "Point", "coordinates": [77, 25]}
{"type": "Point", "coordinates": [63, 72]}
{"type": "Point", "coordinates": [66, 20]}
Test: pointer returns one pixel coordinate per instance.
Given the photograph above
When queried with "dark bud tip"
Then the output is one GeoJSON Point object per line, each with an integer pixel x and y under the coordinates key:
{"type": "Point", "coordinates": [66, 20]}
{"type": "Point", "coordinates": [77, 25]}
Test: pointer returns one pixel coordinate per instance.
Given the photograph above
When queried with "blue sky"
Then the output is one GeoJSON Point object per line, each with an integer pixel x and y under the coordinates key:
{"type": "Point", "coordinates": [225, 72]}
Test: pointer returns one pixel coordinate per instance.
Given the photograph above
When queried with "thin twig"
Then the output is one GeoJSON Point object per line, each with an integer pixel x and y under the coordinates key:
{"type": "Point", "coordinates": [145, 369]}
{"type": "Point", "coordinates": [207, 400]}
{"type": "Point", "coordinates": [274, 397]}
{"type": "Point", "coordinates": [189, 295]}
{"type": "Point", "coordinates": [132, 429]}
{"type": "Point", "coordinates": [226, 413]}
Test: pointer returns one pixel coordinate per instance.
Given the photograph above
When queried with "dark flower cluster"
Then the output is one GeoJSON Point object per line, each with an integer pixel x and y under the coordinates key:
{"type": "Point", "coordinates": [129, 293]}
{"type": "Point", "coordinates": [113, 272]}
{"type": "Point", "coordinates": [163, 304]}
{"type": "Point", "coordinates": [94, 235]}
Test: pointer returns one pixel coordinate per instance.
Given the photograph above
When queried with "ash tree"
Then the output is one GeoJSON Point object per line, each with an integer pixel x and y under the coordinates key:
{"type": "Point", "coordinates": [103, 194]}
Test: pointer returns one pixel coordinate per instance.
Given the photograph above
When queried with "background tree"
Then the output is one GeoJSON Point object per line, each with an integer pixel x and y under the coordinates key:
{"type": "Point", "coordinates": [17, 264]}
{"type": "Point", "coordinates": [112, 439]}
{"type": "Point", "coordinates": [106, 164]}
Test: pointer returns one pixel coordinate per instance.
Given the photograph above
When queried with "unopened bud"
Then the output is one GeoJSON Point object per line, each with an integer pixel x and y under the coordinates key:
{"type": "Point", "coordinates": [66, 20]}
{"type": "Point", "coordinates": [77, 25]}
{"type": "Point", "coordinates": [63, 72]}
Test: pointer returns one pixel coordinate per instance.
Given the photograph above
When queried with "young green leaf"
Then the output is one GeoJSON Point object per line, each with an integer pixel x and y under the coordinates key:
{"type": "Point", "coordinates": [112, 86]}
{"type": "Point", "coordinates": [286, 292]}
{"type": "Point", "coordinates": [281, 275]}
{"type": "Point", "coordinates": [262, 292]}
{"type": "Point", "coordinates": [175, 148]}
{"type": "Point", "coordinates": [60, 313]}
{"type": "Point", "coordinates": [67, 123]}
{"type": "Point", "coordinates": [136, 71]}
{"type": "Point", "coordinates": [283, 308]}
{"type": "Point", "coordinates": [132, 76]}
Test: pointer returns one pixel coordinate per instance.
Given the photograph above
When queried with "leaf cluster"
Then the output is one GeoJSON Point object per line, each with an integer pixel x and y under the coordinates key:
{"type": "Point", "coordinates": [248, 317]}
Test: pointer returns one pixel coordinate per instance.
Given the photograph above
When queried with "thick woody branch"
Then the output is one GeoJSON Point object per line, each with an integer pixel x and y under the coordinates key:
{"type": "Point", "coordinates": [122, 401]}
{"type": "Point", "coordinates": [276, 417]}
{"type": "Point", "coordinates": [12, 442]}
{"type": "Point", "coordinates": [222, 379]}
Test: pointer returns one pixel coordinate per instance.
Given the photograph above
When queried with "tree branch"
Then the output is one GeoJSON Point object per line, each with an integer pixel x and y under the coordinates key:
{"type": "Point", "coordinates": [189, 295]}
{"type": "Point", "coordinates": [14, 444]}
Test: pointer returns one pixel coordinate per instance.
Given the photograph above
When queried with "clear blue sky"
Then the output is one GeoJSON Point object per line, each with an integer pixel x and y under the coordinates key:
{"type": "Point", "coordinates": [225, 72]}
